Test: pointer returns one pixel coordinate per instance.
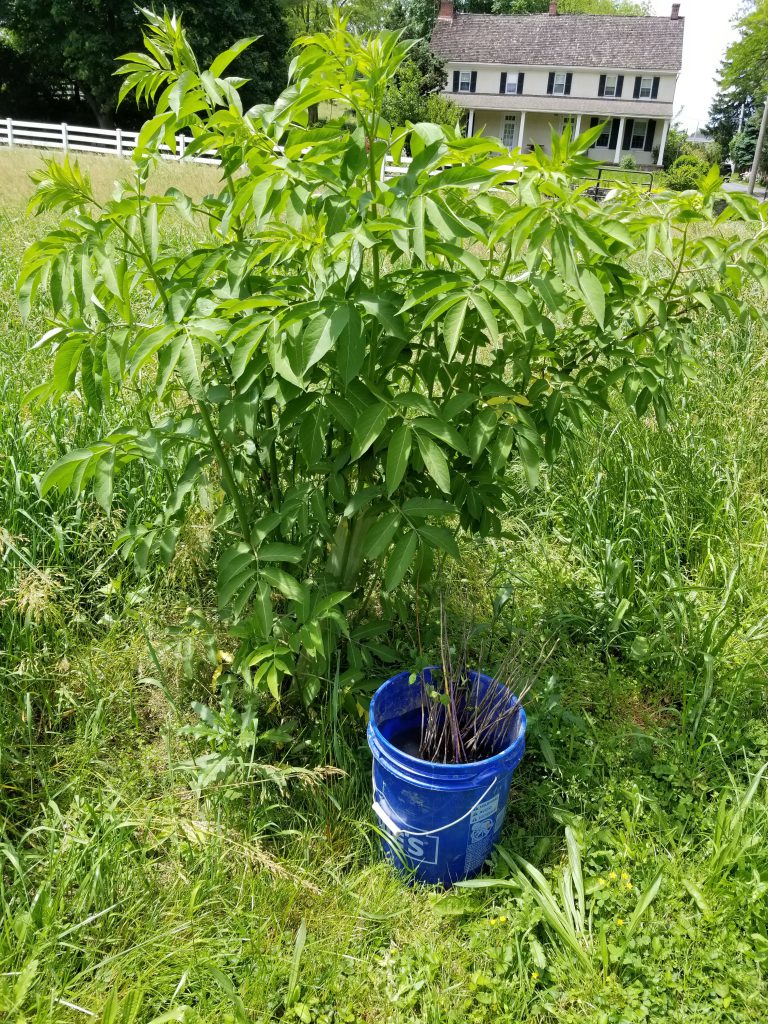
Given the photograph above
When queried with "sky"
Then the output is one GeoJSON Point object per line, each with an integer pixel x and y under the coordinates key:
{"type": "Point", "coordinates": [708, 31]}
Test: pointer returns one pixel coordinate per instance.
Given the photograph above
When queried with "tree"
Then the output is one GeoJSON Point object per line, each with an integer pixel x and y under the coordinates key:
{"type": "Point", "coordinates": [628, 7]}
{"type": "Point", "coordinates": [413, 96]}
{"type": "Point", "coordinates": [74, 43]}
{"type": "Point", "coordinates": [727, 116]}
{"type": "Point", "coordinates": [745, 71]}
{"type": "Point", "coordinates": [354, 371]}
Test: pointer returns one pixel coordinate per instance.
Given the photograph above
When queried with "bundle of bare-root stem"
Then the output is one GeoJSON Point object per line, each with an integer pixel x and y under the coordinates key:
{"type": "Point", "coordinates": [463, 720]}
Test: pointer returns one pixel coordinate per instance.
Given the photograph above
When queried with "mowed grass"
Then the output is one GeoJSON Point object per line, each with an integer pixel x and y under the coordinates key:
{"type": "Point", "coordinates": [126, 895]}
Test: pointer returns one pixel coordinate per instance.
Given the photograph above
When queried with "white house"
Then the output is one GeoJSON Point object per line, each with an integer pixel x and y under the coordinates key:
{"type": "Point", "coordinates": [520, 75]}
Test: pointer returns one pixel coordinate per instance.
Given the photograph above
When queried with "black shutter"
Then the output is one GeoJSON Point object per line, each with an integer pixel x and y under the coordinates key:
{"type": "Point", "coordinates": [568, 83]}
{"type": "Point", "coordinates": [455, 81]}
{"type": "Point", "coordinates": [636, 93]}
{"type": "Point", "coordinates": [594, 122]}
{"type": "Point", "coordinates": [601, 87]}
{"type": "Point", "coordinates": [630, 127]}
{"type": "Point", "coordinates": [473, 82]}
{"type": "Point", "coordinates": [649, 135]}
{"type": "Point", "coordinates": [503, 82]}
{"type": "Point", "coordinates": [551, 83]}
{"type": "Point", "coordinates": [520, 80]}
{"type": "Point", "coordinates": [655, 89]}
{"type": "Point", "coordinates": [614, 137]}
{"type": "Point", "coordinates": [619, 85]}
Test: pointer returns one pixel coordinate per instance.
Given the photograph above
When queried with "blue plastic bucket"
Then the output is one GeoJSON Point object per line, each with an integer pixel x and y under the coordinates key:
{"type": "Point", "coordinates": [439, 821]}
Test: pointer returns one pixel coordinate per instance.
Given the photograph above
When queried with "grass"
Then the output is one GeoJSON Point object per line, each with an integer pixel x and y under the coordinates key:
{"type": "Point", "coordinates": [126, 896]}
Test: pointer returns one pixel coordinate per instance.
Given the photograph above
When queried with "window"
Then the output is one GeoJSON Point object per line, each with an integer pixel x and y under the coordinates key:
{"type": "Point", "coordinates": [604, 140]}
{"type": "Point", "coordinates": [465, 81]}
{"type": "Point", "coordinates": [512, 83]}
{"type": "Point", "coordinates": [569, 120]}
{"type": "Point", "coordinates": [639, 131]}
{"type": "Point", "coordinates": [646, 88]}
{"type": "Point", "coordinates": [558, 87]}
{"type": "Point", "coordinates": [508, 133]}
{"type": "Point", "coordinates": [611, 83]}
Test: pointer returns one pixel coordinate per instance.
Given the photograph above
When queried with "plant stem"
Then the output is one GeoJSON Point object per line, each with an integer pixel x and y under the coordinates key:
{"type": "Point", "coordinates": [227, 473]}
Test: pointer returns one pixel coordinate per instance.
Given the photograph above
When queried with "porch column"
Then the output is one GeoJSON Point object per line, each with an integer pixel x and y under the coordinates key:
{"type": "Point", "coordinates": [577, 127]}
{"type": "Point", "coordinates": [663, 143]}
{"type": "Point", "coordinates": [620, 143]}
{"type": "Point", "coordinates": [471, 123]}
{"type": "Point", "coordinates": [521, 136]}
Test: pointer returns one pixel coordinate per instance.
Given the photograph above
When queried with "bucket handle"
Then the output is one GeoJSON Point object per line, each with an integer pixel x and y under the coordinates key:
{"type": "Point", "coordinates": [396, 830]}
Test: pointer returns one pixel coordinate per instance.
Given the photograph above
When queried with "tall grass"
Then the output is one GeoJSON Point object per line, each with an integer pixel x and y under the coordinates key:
{"type": "Point", "coordinates": [125, 892]}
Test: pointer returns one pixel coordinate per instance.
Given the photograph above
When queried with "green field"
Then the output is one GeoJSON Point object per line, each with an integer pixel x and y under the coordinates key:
{"type": "Point", "coordinates": [126, 895]}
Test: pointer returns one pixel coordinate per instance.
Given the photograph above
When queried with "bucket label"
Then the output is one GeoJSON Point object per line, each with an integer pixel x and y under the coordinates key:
{"type": "Point", "coordinates": [487, 809]}
{"type": "Point", "coordinates": [420, 848]}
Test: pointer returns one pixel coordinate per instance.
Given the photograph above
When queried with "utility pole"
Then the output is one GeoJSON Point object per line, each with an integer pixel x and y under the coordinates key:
{"type": "Point", "coordinates": [758, 149]}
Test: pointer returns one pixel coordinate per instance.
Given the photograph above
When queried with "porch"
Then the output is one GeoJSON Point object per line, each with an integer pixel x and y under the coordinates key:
{"type": "Point", "coordinates": [642, 138]}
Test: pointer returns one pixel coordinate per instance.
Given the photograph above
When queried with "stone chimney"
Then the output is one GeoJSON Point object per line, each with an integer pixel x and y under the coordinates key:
{"type": "Point", "coordinates": [446, 10]}
{"type": "Point", "coordinates": [553, 8]}
{"type": "Point", "coordinates": [675, 12]}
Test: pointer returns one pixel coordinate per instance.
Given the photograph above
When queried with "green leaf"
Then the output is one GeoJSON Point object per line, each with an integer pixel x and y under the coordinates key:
{"type": "Point", "coordinates": [398, 453]}
{"type": "Point", "coordinates": [420, 508]}
{"type": "Point", "coordinates": [441, 538]}
{"type": "Point", "coordinates": [400, 560]}
{"type": "Point", "coordinates": [480, 432]}
{"type": "Point", "coordinates": [453, 324]}
{"type": "Point", "coordinates": [276, 551]}
{"type": "Point", "coordinates": [593, 293]}
{"type": "Point", "coordinates": [351, 348]}
{"type": "Point", "coordinates": [380, 535]}
{"type": "Point", "coordinates": [222, 62]}
{"type": "Point", "coordinates": [369, 425]}
{"type": "Point", "coordinates": [530, 457]}
{"type": "Point", "coordinates": [436, 462]}
{"type": "Point", "coordinates": [262, 608]}
{"type": "Point", "coordinates": [317, 339]}
{"type": "Point", "coordinates": [288, 585]}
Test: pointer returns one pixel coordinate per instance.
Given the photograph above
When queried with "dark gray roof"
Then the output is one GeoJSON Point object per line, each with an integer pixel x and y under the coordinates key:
{"type": "Point", "coordinates": [567, 40]}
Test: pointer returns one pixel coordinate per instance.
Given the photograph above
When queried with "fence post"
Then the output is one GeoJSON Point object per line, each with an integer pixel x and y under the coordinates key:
{"type": "Point", "coordinates": [180, 146]}
{"type": "Point", "coordinates": [9, 122]}
{"type": "Point", "coordinates": [119, 140]}
{"type": "Point", "coordinates": [64, 138]}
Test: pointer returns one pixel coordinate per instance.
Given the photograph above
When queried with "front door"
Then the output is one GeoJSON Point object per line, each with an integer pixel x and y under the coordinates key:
{"type": "Point", "coordinates": [510, 128]}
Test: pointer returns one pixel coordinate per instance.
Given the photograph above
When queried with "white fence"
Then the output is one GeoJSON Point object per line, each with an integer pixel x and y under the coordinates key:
{"type": "Point", "coordinates": [69, 138]}
{"type": "Point", "coordinates": [80, 139]}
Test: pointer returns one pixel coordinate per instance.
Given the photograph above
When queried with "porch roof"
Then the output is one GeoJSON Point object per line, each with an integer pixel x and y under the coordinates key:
{"type": "Point", "coordinates": [561, 105]}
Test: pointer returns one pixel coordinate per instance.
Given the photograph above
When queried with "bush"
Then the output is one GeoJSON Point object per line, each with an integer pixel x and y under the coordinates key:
{"type": "Point", "coordinates": [354, 372]}
{"type": "Point", "coordinates": [687, 172]}
{"type": "Point", "coordinates": [628, 163]}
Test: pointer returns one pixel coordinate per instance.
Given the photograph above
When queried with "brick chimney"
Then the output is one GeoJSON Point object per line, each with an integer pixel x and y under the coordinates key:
{"type": "Point", "coordinates": [446, 10]}
{"type": "Point", "coordinates": [675, 12]}
{"type": "Point", "coordinates": [553, 8]}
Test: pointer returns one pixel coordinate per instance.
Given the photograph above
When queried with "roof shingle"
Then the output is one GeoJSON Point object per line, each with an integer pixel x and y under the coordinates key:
{"type": "Point", "coordinates": [568, 40]}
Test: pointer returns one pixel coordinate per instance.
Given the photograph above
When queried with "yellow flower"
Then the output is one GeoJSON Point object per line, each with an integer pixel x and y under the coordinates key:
{"type": "Point", "coordinates": [503, 919]}
{"type": "Point", "coordinates": [619, 921]}
{"type": "Point", "coordinates": [624, 876]}
{"type": "Point", "coordinates": [613, 876]}
{"type": "Point", "coordinates": [535, 976]}
{"type": "Point", "coordinates": [601, 881]}
{"type": "Point", "coordinates": [494, 920]}
{"type": "Point", "coordinates": [628, 885]}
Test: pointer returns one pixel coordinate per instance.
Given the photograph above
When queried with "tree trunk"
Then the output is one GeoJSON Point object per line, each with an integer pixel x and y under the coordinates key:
{"type": "Point", "coordinates": [105, 118]}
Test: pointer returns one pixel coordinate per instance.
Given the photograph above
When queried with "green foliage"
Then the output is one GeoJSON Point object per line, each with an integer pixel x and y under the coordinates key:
{"type": "Point", "coordinates": [688, 172]}
{"type": "Point", "coordinates": [406, 100]}
{"type": "Point", "coordinates": [745, 68]}
{"type": "Point", "coordinates": [677, 145]}
{"type": "Point", "coordinates": [354, 371]}
{"type": "Point", "coordinates": [72, 46]}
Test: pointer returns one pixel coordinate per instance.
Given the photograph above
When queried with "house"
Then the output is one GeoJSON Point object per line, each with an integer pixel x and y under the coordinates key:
{"type": "Point", "coordinates": [519, 75]}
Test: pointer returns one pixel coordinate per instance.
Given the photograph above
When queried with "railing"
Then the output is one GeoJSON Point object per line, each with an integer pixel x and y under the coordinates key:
{"type": "Point", "coordinates": [81, 139]}
{"type": "Point", "coordinates": [605, 175]}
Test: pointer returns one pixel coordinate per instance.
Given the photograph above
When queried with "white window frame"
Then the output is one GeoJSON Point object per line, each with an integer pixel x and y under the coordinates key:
{"type": "Point", "coordinates": [611, 85]}
{"type": "Point", "coordinates": [644, 123]}
{"type": "Point", "coordinates": [646, 91]}
{"type": "Point", "coordinates": [509, 120]}
{"type": "Point", "coordinates": [511, 86]}
{"type": "Point", "coordinates": [559, 84]}
{"type": "Point", "coordinates": [605, 134]}
{"type": "Point", "coordinates": [465, 81]}
{"type": "Point", "coordinates": [570, 119]}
